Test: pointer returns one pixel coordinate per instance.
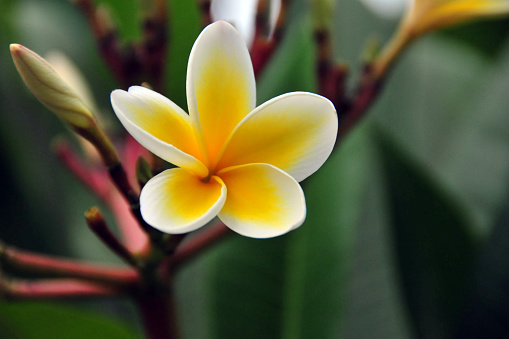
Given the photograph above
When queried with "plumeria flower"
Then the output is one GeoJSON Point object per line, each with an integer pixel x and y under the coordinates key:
{"type": "Point", "coordinates": [428, 15]}
{"type": "Point", "coordinates": [235, 161]}
{"type": "Point", "coordinates": [242, 14]}
{"type": "Point", "coordinates": [424, 16]}
{"type": "Point", "coordinates": [387, 9]}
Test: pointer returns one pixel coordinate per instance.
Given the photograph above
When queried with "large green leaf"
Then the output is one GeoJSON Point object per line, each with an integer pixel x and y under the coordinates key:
{"type": "Point", "coordinates": [486, 312]}
{"type": "Point", "coordinates": [185, 25]}
{"type": "Point", "coordinates": [435, 249]}
{"type": "Point", "coordinates": [292, 67]}
{"type": "Point", "coordinates": [288, 287]}
{"type": "Point", "coordinates": [42, 320]}
{"type": "Point", "coordinates": [448, 107]}
{"type": "Point", "coordinates": [374, 305]}
{"type": "Point", "coordinates": [126, 16]}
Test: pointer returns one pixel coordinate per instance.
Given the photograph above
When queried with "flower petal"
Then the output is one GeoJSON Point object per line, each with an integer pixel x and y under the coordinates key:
{"type": "Point", "coordinates": [177, 201]}
{"type": "Point", "coordinates": [262, 202]}
{"type": "Point", "coordinates": [274, 10]}
{"type": "Point", "coordinates": [160, 126]}
{"type": "Point", "coordinates": [294, 132]}
{"type": "Point", "coordinates": [220, 84]}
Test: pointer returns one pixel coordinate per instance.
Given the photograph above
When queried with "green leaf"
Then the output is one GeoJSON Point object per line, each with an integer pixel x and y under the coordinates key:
{"type": "Point", "coordinates": [185, 26]}
{"type": "Point", "coordinates": [292, 67]}
{"type": "Point", "coordinates": [24, 320]}
{"type": "Point", "coordinates": [291, 286]}
{"type": "Point", "coordinates": [287, 287]}
{"type": "Point", "coordinates": [126, 16]}
{"type": "Point", "coordinates": [486, 312]}
{"type": "Point", "coordinates": [485, 36]}
{"type": "Point", "coordinates": [434, 247]}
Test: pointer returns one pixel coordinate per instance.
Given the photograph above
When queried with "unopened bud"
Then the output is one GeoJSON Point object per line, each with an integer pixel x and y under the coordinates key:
{"type": "Point", "coordinates": [50, 89]}
{"type": "Point", "coordinates": [54, 93]}
{"type": "Point", "coordinates": [322, 13]}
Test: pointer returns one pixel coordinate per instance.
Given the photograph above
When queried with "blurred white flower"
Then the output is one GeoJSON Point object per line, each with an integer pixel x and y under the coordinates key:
{"type": "Point", "coordinates": [242, 14]}
{"type": "Point", "coordinates": [387, 9]}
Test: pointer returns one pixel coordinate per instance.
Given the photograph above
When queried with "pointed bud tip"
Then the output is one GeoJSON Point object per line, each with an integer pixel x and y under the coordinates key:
{"type": "Point", "coordinates": [15, 47]}
{"type": "Point", "coordinates": [53, 92]}
{"type": "Point", "coordinates": [93, 214]}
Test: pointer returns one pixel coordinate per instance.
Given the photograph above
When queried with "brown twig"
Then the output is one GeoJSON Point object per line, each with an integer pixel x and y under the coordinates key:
{"type": "Point", "coordinates": [122, 63]}
{"type": "Point", "coordinates": [365, 96]}
{"type": "Point", "coordinates": [154, 45]}
{"type": "Point", "coordinates": [331, 76]}
{"type": "Point", "coordinates": [205, 12]}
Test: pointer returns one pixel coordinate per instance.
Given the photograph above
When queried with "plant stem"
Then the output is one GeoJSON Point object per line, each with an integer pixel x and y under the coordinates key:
{"type": "Point", "coordinates": [51, 289]}
{"type": "Point", "coordinates": [366, 94]}
{"type": "Point", "coordinates": [37, 263]}
{"type": "Point", "coordinates": [83, 172]}
{"type": "Point", "coordinates": [158, 315]}
{"type": "Point", "coordinates": [98, 225]}
{"type": "Point", "coordinates": [198, 243]}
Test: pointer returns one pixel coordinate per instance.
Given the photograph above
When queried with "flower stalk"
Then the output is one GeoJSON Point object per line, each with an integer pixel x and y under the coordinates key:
{"type": "Point", "coordinates": [97, 224]}
{"type": "Point", "coordinates": [54, 289]}
{"type": "Point", "coordinates": [28, 262]}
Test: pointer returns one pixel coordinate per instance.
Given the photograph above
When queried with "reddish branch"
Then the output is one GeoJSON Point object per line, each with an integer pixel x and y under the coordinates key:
{"type": "Point", "coordinates": [51, 289]}
{"type": "Point", "coordinates": [331, 77]}
{"type": "Point", "coordinates": [332, 84]}
{"type": "Point", "coordinates": [98, 225]}
{"type": "Point", "coordinates": [131, 63]}
{"type": "Point", "coordinates": [90, 178]}
{"type": "Point", "coordinates": [365, 96]}
{"type": "Point", "coordinates": [158, 315]}
{"type": "Point", "coordinates": [198, 243]}
{"type": "Point", "coordinates": [264, 46]}
{"type": "Point", "coordinates": [121, 63]}
{"type": "Point", "coordinates": [37, 263]}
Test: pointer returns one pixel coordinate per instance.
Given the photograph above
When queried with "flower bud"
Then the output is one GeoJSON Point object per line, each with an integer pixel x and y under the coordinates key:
{"type": "Point", "coordinates": [44, 82]}
{"type": "Point", "coordinates": [322, 13]}
{"type": "Point", "coordinates": [54, 93]}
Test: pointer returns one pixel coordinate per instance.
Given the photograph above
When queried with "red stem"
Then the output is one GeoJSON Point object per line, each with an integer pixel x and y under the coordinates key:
{"type": "Point", "coordinates": [37, 263]}
{"type": "Point", "coordinates": [158, 315]}
{"type": "Point", "coordinates": [89, 177]}
{"type": "Point", "coordinates": [366, 94]}
{"type": "Point", "coordinates": [98, 225]}
{"type": "Point", "coordinates": [50, 289]}
{"type": "Point", "coordinates": [198, 243]}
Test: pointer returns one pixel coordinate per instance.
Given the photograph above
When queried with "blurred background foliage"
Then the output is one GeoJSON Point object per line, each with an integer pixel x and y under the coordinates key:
{"type": "Point", "coordinates": [407, 234]}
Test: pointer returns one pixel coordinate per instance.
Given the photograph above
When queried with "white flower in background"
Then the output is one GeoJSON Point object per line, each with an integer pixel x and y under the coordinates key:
{"type": "Point", "coordinates": [387, 9]}
{"type": "Point", "coordinates": [242, 14]}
